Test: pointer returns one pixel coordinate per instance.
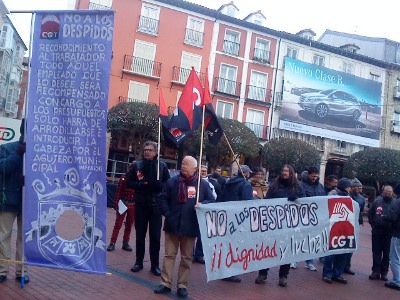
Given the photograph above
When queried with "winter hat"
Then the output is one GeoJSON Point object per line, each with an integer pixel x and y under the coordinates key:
{"type": "Point", "coordinates": [356, 183]}
{"type": "Point", "coordinates": [245, 169]}
{"type": "Point", "coordinates": [343, 184]}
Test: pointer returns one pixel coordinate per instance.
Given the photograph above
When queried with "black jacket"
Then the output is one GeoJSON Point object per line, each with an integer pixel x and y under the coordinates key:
{"type": "Point", "coordinates": [237, 188]}
{"type": "Point", "coordinates": [143, 179]}
{"type": "Point", "coordinates": [180, 218]}
{"type": "Point", "coordinates": [312, 188]}
{"type": "Point", "coordinates": [379, 208]}
{"type": "Point", "coordinates": [393, 216]}
{"type": "Point", "coordinates": [279, 190]}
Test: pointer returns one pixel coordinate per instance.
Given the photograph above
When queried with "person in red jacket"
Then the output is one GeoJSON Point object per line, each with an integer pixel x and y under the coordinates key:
{"type": "Point", "coordinates": [125, 195]}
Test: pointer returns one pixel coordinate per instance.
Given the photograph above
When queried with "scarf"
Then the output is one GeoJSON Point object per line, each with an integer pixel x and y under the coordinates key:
{"type": "Point", "coordinates": [183, 181]}
{"type": "Point", "coordinates": [260, 187]}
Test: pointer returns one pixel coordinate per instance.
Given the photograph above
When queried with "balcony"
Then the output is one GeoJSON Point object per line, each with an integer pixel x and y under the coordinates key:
{"type": "Point", "coordinates": [142, 66]}
{"type": "Point", "coordinates": [127, 99]}
{"type": "Point", "coordinates": [180, 75]}
{"type": "Point", "coordinates": [259, 130]}
{"type": "Point", "coordinates": [148, 25]}
{"type": "Point", "coordinates": [261, 56]}
{"type": "Point", "coordinates": [395, 126]}
{"type": "Point", "coordinates": [228, 87]}
{"type": "Point", "coordinates": [194, 38]}
{"type": "Point", "coordinates": [231, 48]}
{"type": "Point", "coordinates": [96, 6]}
{"type": "Point", "coordinates": [396, 93]}
{"type": "Point", "coordinates": [258, 94]}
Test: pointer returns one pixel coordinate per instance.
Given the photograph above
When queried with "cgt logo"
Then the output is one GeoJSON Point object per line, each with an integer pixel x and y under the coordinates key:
{"type": "Point", "coordinates": [6, 134]}
{"type": "Point", "coordinates": [342, 224]}
{"type": "Point", "coordinates": [50, 27]}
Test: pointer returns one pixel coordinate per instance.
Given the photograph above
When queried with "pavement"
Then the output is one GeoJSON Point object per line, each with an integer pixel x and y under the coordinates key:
{"type": "Point", "coordinates": [122, 284]}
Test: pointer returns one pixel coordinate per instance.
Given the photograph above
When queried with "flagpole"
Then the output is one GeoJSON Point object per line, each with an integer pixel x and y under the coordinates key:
{"type": "Point", "coordinates": [201, 154]}
{"type": "Point", "coordinates": [233, 153]}
{"type": "Point", "coordinates": [159, 148]}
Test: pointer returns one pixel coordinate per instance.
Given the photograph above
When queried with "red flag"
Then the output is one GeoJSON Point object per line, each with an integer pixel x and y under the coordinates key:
{"type": "Point", "coordinates": [188, 115]}
{"type": "Point", "coordinates": [163, 110]}
{"type": "Point", "coordinates": [211, 123]}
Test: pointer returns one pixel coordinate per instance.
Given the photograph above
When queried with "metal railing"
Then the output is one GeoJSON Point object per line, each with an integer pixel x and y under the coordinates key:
{"type": "Point", "coordinates": [227, 86]}
{"type": "Point", "coordinates": [116, 169]}
{"type": "Point", "coordinates": [261, 56]}
{"type": "Point", "coordinates": [181, 75]}
{"type": "Point", "coordinates": [95, 6]}
{"type": "Point", "coordinates": [231, 48]}
{"type": "Point", "coordinates": [122, 99]}
{"type": "Point", "coordinates": [194, 38]}
{"type": "Point", "coordinates": [142, 66]}
{"type": "Point", "coordinates": [148, 25]}
{"type": "Point", "coordinates": [258, 93]}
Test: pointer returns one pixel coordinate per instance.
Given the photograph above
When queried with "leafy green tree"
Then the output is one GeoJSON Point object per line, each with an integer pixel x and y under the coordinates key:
{"type": "Point", "coordinates": [241, 138]}
{"type": "Point", "coordinates": [374, 166]}
{"type": "Point", "coordinates": [137, 121]}
{"type": "Point", "coordinates": [300, 155]}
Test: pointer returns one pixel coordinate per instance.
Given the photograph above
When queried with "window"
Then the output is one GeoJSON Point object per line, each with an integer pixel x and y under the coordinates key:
{"type": "Point", "coordinates": [341, 145]}
{"type": "Point", "coordinates": [3, 37]}
{"type": "Point", "coordinates": [188, 61]}
{"type": "Point", "coordinates": [149, 17]}
{"type": "Point", "coordinates": [261, 51]}
{"type": "Point", "coordinates": [255, 121]}
{"type": "Point", "coordinates": [291, 53]}
{"type": "Point", "coordinates": [396, 91]}
{"type": "Point", "coordinates": [374, 77]}
{"type": "Point", "coordinates": [100, 4]}
{"type": "Point", "coordinates": [319, 60]}
{"type": "Point", "coordinates": [257, 88]}
{"type": "Point", "coordinates": [347, 68]}
{"type": "Point", "coordinates": [194, 32]}
{"type": "Point", "coordinates": [143, 61]}
{"type": "Point", "coordinates": [224, 109]}
{"type": "Point", "coordinates": [231, 42]}
{"type": "Point", "coordinates": [227, 80]}
{"type": "Point", "coordinates": [138, 91]}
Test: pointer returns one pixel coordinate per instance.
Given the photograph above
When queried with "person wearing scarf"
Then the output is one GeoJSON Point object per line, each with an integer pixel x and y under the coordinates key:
{"type": "Point", "coordinates": [260, 187]}
{"type": "Point", "coordinates": [177, 203]}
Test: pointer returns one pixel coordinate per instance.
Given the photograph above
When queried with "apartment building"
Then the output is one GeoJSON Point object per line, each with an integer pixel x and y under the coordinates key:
{"type": "Point", "coordinates": [258, 75]}
{"type": "Point", "coordinates": [12, 51]}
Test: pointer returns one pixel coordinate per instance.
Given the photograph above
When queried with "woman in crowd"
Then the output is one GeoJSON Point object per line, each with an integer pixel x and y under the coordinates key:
{"type": "Point", "coordinates": [260, 187]}
{"type": "Point", "coordinates": [286, 186]}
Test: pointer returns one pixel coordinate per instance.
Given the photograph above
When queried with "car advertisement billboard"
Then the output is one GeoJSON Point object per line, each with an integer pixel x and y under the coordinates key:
{"type": "Point", "coordinates": [331, 104]}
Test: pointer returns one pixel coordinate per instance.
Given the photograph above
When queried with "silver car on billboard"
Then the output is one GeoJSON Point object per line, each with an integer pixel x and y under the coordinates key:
{"type": "Point", "coordinates": [331, 102]}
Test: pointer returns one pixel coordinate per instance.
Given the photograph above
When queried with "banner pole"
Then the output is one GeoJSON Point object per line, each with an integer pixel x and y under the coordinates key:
{"type": "Point", "coordinates": [230, 148]}
{"type": "Point", "coordinates": [159, 148]}
{"type": "Point", "coordinates": [201, 154]}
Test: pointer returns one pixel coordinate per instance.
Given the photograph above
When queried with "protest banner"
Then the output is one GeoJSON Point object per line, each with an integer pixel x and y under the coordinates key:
{"type": "Point", "coordinates": [245, 236]}
{"type": "Point", "coordinates": [65, 172]}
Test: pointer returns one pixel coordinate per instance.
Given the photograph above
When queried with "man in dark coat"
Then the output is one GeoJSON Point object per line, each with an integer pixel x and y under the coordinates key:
{"type": "Point", "coordinates": [143, 180]}
{"type": "Point", "coordinates": [381, 234]}
{"type": "Point", "coordinates": [238, 187]}
{"type": "Point", "coordinates": [393, 216]}
{"type": "Point", "coordinates": [217, 175]}
{"type": "Point", "coordinates": [331, 183]}
{"type": "Point", "coordinates": [11, 183]}
{"type": "Point", "coordinates": [177, 202]}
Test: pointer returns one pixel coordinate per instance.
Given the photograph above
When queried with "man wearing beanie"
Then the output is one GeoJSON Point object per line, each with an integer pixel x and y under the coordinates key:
{"type": "Point", "coordinates": [334, 264]}
{"type": "Point", "coordinates": [355, 194]}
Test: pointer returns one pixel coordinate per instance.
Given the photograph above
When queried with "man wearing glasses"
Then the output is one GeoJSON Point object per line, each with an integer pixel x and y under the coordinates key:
{"type": "Point", "coordinates": [143, 179]}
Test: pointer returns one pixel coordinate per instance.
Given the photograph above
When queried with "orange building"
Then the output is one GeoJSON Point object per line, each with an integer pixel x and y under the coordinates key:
{"type": "Point", "coordinates": [157, 42]}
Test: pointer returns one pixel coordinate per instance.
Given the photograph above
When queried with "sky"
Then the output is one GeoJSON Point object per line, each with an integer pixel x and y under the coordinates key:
{"type": "Point", "coordinates": [285, 15]}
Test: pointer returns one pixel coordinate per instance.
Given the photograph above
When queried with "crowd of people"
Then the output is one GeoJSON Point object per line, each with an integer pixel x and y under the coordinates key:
{"type": "Point", "coordinates": [146, 194]}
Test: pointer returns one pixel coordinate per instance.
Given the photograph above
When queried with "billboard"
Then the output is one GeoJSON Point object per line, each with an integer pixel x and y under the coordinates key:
{"type": "Point", "coordinates": [331, 104]}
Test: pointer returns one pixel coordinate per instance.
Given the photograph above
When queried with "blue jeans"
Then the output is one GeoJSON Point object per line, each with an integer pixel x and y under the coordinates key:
{"type": "Point", "coordinates": [395, 260]}
{"type": "Point", "coordinates": [334, 265]}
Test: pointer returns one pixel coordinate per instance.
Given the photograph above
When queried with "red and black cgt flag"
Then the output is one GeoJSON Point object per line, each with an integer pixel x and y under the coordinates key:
{"type": "Point", "coordinates": [174, 135]}
{"type": "Point", "coordinates": [211, 123]}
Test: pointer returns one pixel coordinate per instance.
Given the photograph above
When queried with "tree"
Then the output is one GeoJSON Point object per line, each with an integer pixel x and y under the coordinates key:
{"type": "Point", "coordinates": [296, 153]}
{"type": "Point", "coordinates": [137, 121]}
{"type": "Point", "coordinates": [241, 138]}
{"type": "Point", "coordinates": [374, 166]}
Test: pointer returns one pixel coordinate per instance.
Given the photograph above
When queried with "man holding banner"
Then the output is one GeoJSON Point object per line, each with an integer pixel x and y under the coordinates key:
{"type": "Point", "coordinates": [177, 201]}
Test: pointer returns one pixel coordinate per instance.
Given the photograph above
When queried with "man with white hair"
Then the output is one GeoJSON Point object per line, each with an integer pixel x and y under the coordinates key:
{"type": "Point", "coordinates": [177, 203]}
